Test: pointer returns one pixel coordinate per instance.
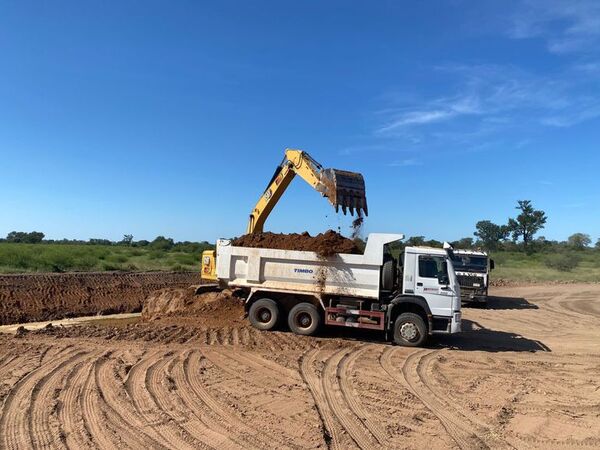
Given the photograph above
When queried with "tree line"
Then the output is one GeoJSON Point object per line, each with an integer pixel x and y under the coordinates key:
{"type": "Point", "coordinates": [517, 234]}
{"type": "Point", "coordinates": [159, 243]}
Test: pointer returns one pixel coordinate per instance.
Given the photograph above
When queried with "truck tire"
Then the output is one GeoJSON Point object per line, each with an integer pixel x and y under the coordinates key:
{"type": "Point", "coordinates": [264, 314]}
{"type": "Point", "coordinates": [410, 330]}
{"type": "Point", "coordinates": [304, 319]}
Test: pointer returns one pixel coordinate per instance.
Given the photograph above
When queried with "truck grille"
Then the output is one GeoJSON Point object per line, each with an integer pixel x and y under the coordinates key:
{"type": "Point", "coordinates": [467, 281]}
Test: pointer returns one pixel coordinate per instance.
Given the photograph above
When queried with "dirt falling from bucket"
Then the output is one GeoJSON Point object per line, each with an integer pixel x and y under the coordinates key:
{"type": "Point", "coordinates": [357, 226]}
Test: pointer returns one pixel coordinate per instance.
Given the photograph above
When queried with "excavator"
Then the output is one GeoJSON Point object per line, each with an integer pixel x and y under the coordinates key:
{"type": "Point", "coordinates": [343, 189]}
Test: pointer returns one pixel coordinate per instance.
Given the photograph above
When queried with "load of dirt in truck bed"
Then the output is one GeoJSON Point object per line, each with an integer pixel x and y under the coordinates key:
{"type": "Point", "coordinates": [221, 308]}
{"type": "Point", "coordinates": [324, 244]}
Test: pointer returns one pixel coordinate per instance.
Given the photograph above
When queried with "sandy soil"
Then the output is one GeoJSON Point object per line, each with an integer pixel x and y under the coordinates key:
{"type": "Point", "coordinates": [39, 297]}
{"type": "Point", "coordinates": [524, 374]}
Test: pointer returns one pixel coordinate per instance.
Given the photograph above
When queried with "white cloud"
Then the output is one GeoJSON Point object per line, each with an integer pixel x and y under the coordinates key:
{"type": "Point", "coordinates": [405, 163]}
{"type": "Point", "coordinates": [567, 25]}
{"type": "Point", "coordinates": [416, 118]}
{"type": "Point", "coordinates": [492, 98]}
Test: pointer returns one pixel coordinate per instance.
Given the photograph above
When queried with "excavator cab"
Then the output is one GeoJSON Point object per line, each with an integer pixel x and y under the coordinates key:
{"type": "Point", "coordinates": [209, 269]}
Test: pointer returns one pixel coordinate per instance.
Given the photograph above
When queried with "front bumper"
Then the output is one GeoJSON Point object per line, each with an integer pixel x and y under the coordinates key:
{"type": "Point", "coordinates": [455, 324]}
{"type": "Point", "coordinates": [473, 295]}
{"type": "Point", "coordinates": [447, 325]}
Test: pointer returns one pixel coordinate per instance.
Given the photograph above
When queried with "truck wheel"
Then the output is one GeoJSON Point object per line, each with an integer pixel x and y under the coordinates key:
{"type": "Point", "coordinates": [410, 330]}
{"type": "Point", "coordinates": [304, 319]}
{"type": "Point", "coordinates": [264, 314]}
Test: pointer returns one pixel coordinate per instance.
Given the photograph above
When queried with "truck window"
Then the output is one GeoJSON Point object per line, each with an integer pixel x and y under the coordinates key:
{"type": "Point", "coordinates": [430, 266]}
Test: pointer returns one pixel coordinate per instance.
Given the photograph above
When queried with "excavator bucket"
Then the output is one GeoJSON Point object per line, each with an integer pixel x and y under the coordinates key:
{"type": "Point", "coordinates": [345, 189]}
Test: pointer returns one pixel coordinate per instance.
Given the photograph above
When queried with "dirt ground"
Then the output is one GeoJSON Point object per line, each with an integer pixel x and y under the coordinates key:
{"type": "Point", "coordinates": [39, 297]}
{"type": "Point", "coordinates": [524, 374]}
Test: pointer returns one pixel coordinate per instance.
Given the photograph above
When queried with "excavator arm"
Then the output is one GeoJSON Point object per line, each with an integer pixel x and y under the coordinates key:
{"type": "Point", "coordinates": [342, 188]}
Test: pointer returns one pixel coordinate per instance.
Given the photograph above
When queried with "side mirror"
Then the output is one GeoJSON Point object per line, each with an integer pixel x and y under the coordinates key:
{"type": "Point", "coordinates": [492, 265]}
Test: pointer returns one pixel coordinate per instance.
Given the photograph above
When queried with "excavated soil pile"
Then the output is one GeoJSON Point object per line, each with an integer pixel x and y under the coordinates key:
{"type": "Point", "coordinates": [39, 297]}
{"type": "Point", "coordinates": [324, 244]}
{"type": "Point", "coordinates": [208, 309]}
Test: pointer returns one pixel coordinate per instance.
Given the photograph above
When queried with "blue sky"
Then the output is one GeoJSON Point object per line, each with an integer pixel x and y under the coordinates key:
{"type": "Point", "coordinates": [168, 118]}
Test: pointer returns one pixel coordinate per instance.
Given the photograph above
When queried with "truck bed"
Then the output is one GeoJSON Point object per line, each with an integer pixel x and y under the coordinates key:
{"type": "Point", "coordinates": [304, 272]}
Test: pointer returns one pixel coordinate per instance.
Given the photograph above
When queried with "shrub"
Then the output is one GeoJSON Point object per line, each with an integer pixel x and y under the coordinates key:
{"type": "Point", "coordinates": [563, 262]}
{"type": "Point", "coordinates": [156, 254]}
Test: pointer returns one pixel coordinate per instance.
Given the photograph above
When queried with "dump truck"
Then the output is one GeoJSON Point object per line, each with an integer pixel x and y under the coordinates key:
{"type": "Point", "coordinates": [473, 272]}
{"type": "Point", "coordinates": [408, 298]}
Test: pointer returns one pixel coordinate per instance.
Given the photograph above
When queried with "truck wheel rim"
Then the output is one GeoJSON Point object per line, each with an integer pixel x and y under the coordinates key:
{"type": "Point", "coordinates": [303, 320]}
{"type": "Point", "coordinates": [409, 331]}
{"type": "Point", "coordinates": [264, 315]}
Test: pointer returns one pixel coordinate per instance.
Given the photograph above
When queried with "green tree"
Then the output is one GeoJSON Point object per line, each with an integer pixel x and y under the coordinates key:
{"type": "Point", "coordinates": [162, 243]}
{"type": "Point", "coordinates": [35, 237]}
{"type": "Point", "coordinates": [527, 223]}
{"type": "Point", "coordinates": [464, 243]}
{"type": "Point", "coordinates": [579, 241]}
{"type": "Point", "coordinates": [415, 241]}
{"type": "Point", "coordinates": [597, 244]}
{"type": "Point", "coordinates": [490, 234]}
{"type": "Point", "coordinates": [127, 239]}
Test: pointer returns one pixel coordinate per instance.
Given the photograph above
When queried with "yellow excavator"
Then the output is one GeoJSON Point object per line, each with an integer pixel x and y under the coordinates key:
{"type": "Point", "coordinates": [342, 188]}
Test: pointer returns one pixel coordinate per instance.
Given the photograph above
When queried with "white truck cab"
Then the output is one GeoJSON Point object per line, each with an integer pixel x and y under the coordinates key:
{"type": "Point", "coordinates": [473, 272]}
{"type": "Point", "coordinates": [429, 273]}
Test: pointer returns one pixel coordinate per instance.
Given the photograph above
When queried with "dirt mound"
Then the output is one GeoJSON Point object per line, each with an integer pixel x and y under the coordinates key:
{"type": "Point", "coordinates": [220, 308]}
{"type": "Point", "coordinates": [324, 244]}
{"type": "Point", "coordinates": [39, 297]}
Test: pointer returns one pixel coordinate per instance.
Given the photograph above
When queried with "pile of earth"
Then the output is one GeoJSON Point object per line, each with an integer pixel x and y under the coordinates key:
{"type": "Point", "coordinates": [47, 296]}
{"type": "Point", "coordinates": [221, 308]}
{"type": "Point", "coordinates": [324, 244]}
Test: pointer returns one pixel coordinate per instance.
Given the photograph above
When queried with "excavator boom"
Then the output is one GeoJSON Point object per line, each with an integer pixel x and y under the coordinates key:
{"type": "Point", "coordinates": [342, 188]}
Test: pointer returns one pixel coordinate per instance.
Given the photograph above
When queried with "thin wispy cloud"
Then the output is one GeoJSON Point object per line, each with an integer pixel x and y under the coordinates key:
{"type": "Point", "coordinates": [567, 25]}
{"type": "Point", "coordinates": [489, 98]}
{"type": "Point", "coordinates": [436, 111]}
{"type": "Point", "coordinates": [405, 163]}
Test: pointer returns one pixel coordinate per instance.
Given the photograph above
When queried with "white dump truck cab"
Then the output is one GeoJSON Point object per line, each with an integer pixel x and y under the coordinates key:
{"type": "Point", "coordinates": [428, 274]}
{"type": "Point", "coordinates": [473, 272]}
{"type": "Point", "coordinates": [408, 296]}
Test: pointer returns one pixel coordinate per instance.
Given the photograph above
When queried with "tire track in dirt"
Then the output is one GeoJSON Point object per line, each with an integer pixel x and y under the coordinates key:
{"type": "Point", "coordinates": [172, 413]}
{"type": "Point", "coordinates": [43, 404]}
{"type": "Point", "coordinates": [204, 418]}
{"type": "Point", "coordinates": [338, 402]}
{"type": "Point", "coordinates": [344, 370]}
{"type": "Point", "coordinates": [118, 406]}
{"type": "Point", "coordinates": [263, 365]}
{"type": "Point", "coordinates": [241, 431]}
{"type": "Point", "coordinates": [258, 372]}
{"type": "Point", "coordinates": [89, 401]}
{"type": "Point", "coordinates": [16, 409]}
{"type": "Point", "coordinates": [413, 376]}
{"type": "Point", "coordinates": [331, 430]}
{"type": "Point", "coordinates": [70, 416]}
{"type": "Point", "coordinates": [142, 396]}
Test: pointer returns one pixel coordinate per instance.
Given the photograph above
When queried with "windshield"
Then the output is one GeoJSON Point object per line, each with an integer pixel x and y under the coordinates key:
{"type": "Point", "coordinates": [469, 263]}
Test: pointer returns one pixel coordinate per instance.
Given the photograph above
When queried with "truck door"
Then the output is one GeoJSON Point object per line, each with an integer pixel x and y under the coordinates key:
{"type": "Point", "coordinates": [438, 296]}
